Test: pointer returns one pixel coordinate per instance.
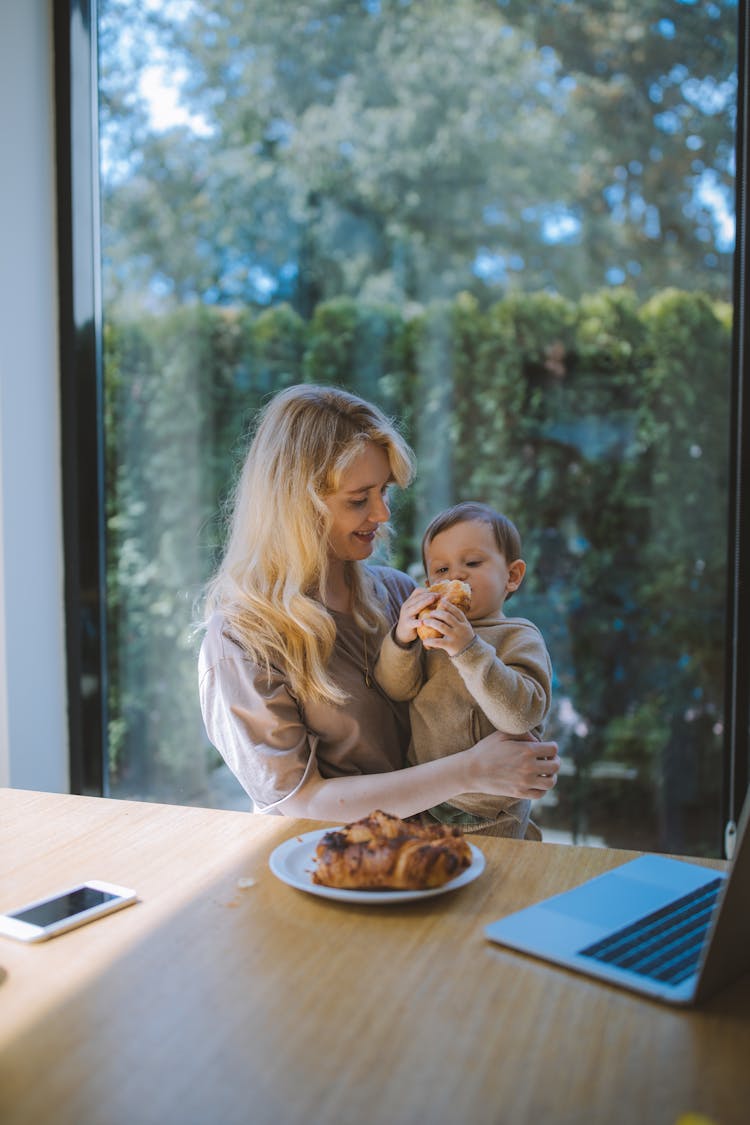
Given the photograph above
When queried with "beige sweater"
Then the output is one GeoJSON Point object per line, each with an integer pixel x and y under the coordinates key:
{"type": "Point", "coordinates": [502, 681]}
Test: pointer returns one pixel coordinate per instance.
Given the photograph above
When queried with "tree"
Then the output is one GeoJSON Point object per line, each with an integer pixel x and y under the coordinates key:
{"type": "Point", "coordinates": [407, 151]}
{"type": "Point", "coordinates": [422, 200]}
{"type": "Point", "coordinates": [656, 82]}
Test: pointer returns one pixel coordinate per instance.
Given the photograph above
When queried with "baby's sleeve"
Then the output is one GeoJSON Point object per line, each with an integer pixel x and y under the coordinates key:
{"type": "Point", "coordinates": [513, 687]}
{"type": "Point", "coordinates": [399, 670]}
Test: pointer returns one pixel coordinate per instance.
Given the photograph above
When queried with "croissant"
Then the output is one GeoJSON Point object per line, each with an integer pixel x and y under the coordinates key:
{"type": "Point", "coordinates": [458, 593]}
{"type": "Point", "coordinates": [382, 852]}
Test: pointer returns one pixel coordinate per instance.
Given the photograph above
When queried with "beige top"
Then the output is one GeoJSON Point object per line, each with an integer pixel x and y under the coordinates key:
{"type": "Point", "coordinates": [502, 681]}
{"type": "Point", "coordinates": [270, 740]}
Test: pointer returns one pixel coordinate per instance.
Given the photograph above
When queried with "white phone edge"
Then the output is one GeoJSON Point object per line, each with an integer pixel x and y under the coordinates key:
{"type": "Point", "coordinates": [27, 931]}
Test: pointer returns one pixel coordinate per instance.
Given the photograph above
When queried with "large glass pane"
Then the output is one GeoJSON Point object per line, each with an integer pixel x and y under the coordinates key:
{"type": "Point", "coordinates": [511, 224]}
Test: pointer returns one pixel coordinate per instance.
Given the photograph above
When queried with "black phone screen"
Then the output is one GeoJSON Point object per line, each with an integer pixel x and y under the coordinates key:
{"type": "Point", "coordinates": [65, 906]}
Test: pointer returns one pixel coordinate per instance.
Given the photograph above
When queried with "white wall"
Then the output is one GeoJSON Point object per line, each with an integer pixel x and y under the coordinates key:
{"type": "Point", "coordinates": [33, 717]}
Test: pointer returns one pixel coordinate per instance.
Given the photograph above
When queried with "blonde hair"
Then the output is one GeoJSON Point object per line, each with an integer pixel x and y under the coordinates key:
{"type": "Point", "coordinates": [276, 558]}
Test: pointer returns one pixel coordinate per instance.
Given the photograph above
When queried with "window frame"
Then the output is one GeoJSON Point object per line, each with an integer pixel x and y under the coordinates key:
{"type": "Point", "coordinates": [737, 701]}
{"type": "Point", "coordinates": [81, 391]}
{"type": "Point", "coordinates": [82, 418]}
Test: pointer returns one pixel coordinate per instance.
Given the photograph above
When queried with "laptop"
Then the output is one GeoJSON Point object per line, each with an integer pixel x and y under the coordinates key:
{"type": "Point", "coordinates": [660, 926]}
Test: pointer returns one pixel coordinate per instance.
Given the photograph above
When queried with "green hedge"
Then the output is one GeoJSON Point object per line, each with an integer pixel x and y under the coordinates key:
{"type": "Point", "coordinates": [599, 427]}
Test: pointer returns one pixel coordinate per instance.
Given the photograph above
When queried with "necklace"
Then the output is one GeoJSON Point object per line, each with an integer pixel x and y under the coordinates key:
{"type": "Point", "coordinates": [367, 677]}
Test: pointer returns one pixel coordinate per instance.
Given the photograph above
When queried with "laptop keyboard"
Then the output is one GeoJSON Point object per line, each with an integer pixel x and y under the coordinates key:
{"type": "Point", "coordinates": [665, 945]}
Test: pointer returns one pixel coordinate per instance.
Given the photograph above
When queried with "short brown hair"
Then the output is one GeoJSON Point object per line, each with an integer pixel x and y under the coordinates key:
{"type": "Point", "coordinates": [505, 531]}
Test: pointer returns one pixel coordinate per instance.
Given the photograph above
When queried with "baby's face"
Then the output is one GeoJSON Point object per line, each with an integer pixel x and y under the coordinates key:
{"type": "Point", "coordinates": [468, 552]}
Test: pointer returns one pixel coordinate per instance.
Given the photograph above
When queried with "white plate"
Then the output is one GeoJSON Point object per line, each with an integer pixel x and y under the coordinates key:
{"type": "Point", "coordinates": [294, 862]}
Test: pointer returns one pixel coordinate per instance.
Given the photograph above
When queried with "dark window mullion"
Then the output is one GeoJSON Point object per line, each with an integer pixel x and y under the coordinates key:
{"type": "Point", "coordinates": [81, 389]}
{"type": "Point", "coordinates": [737, 711]}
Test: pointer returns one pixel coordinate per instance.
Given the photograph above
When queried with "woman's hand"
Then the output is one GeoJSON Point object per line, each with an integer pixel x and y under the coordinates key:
{"type": "Point", "coordinates": [514, 767]}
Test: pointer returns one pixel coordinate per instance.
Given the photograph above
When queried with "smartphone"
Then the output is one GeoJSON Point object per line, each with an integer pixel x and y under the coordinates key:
{"type": "Point", "coordinates": [47, 917]}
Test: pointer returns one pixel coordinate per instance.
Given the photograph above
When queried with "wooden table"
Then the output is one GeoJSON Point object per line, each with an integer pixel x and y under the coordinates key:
{"type": "Point", "coordinates": [208, 1002]}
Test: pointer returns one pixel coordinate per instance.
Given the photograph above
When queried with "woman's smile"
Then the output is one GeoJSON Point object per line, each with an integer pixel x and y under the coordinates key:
{"type": "Point", "coordinates": [362, 494]}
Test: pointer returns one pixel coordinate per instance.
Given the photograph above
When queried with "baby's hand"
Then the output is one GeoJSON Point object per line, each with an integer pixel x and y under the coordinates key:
{"type": "Point", "coordinates": [457, 631]}
{"type": "Point", "coordinates": [406, 629]}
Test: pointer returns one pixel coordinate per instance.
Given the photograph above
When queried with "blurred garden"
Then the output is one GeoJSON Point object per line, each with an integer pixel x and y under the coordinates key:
{"type": "Point", "coordinates": [512, 226]}
{"type": "Point", "coordinates": [595, 425]}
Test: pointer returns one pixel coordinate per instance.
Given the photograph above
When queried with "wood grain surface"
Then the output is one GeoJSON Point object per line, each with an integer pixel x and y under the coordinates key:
{"type": "Point", "coordinates": [211, 1001]}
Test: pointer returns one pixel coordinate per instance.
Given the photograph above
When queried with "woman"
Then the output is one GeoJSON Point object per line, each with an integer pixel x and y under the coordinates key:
{"type": "Point", "coordinates": [294, 620]}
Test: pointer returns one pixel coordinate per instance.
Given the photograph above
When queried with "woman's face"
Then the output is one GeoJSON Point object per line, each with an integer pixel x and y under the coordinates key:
{"type": "Point", "coordinates": [359, 505]}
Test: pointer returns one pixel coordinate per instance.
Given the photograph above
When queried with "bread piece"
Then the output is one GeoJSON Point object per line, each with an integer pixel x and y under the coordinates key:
{"type": "Point", "coordinates": [382, 852]}
{"type": "Point", "coordinates": [458, 593]}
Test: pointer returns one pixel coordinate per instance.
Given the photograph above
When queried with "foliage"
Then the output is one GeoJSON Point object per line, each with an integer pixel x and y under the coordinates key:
{"type": "Point", "coordinates": [406, 150]}
{"type": "Point", "coordinates": [435, 203]}
{"type": "Point", "coordinates": [598, 426]}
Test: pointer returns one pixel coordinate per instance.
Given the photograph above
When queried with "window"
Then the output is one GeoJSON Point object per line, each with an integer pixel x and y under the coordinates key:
{"type": "Point", "coordinates": [512, 225]}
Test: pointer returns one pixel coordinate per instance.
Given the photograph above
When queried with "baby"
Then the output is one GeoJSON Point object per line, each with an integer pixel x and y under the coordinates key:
{"type": "Point", "coordinates": [483, 671]}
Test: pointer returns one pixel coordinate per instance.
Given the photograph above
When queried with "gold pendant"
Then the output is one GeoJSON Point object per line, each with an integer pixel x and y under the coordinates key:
{"type": "Point", "coordinates": [367, 679]}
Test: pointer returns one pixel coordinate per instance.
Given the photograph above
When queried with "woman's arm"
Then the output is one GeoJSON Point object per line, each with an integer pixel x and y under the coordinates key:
{"type": "Point", "coordinates": [496, 765]}
{"type": "Point", "coordinates": [256, 725]}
